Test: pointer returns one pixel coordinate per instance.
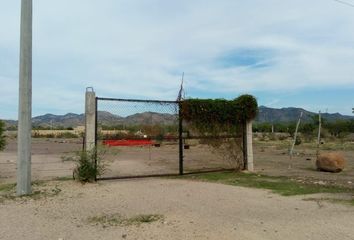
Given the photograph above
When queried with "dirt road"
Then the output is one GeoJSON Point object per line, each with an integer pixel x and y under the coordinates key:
{"type": "Point", "coordinates": [190, 210]}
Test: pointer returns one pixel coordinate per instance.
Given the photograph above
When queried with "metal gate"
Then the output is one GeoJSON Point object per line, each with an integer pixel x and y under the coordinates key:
{"type": "Point", "coordinates": [141, 138]}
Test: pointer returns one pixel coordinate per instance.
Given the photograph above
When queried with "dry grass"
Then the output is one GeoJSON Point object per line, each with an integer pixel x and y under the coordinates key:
{"type": "Point", "coordinates": [119, 220]}
{"type": "Point", "coordinates": [39, 190]}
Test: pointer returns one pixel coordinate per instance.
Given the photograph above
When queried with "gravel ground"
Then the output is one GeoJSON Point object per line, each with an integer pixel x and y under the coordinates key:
{"type": "Point", "coordinates": [190, 210]}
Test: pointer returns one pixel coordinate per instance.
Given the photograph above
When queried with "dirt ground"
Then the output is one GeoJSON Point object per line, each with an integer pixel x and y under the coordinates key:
{"type": "Point", "coordinates": [47, 162]}
{"type": "Point", "coordinates": [270, 158]}
{"type": "Point", "coordinates": [188, 210]}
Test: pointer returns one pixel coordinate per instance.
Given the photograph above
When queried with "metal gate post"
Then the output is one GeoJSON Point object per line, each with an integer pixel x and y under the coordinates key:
{"type": "Point", "coordinates": [96, 127]}
{"type": "Point", "coordinates": [180, 136]}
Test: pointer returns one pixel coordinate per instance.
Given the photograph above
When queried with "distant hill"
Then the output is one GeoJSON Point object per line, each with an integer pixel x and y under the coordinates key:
{"type": "Point", "coordinates": [266, 114]}
{"type": "Point", "coordinates": [104, 118]}
{"type": "Point", "coordinates": [291, 114]}
{"type": "Point", "coordinates": [151, 118]}
{"type": "Point", "coordinates": [67, 120]}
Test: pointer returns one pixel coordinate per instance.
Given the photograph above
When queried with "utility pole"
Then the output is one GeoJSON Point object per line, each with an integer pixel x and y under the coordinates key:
{"type": "Point", "coordinates": [319, 134]}
{"type": "Point", "coordinates": [295, 136]}
{"type": "Point", "coordinates": [25, 102]}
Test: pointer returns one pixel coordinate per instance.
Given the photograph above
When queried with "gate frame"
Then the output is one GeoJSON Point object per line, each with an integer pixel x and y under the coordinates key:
{"type": "Point", "coordinates": [180, 138]}
{"type": "Point", "coordinates": [247, 135]}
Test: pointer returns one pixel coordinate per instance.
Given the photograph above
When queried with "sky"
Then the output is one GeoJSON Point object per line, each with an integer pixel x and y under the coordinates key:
{"type": "Point", "coordinates": [286, 53]}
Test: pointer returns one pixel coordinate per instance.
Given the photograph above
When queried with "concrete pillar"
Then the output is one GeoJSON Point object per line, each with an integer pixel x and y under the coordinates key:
{"type": "Point", "coordinates": [25, 102]}
{"type": "Point", "coordinates": [249, 137]}
{"type": "Point", "coordinates": [90, 119]}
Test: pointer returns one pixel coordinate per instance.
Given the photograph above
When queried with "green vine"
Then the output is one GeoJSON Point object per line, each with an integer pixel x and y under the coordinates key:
{"type": "Point", "coordinates": [218, 115]}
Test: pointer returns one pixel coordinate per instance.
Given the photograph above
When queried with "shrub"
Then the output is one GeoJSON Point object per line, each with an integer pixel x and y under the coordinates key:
{"type": "Point", "coordinates": [88, 166]}
{"type": "Point", "coordinates": [282, 137]}
{"type": "Point", "coordinates": [298, 141]}
{"type": "Point", "coordinates": [67, 135]}
{"type": "Point", "coordinates": [38, 134]}
{"type": "Point", "coordinates": [2, 136]}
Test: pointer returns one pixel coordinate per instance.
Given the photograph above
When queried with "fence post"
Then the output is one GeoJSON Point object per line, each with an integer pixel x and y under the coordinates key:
{"type": "Point", "coordinates": [90, 119]}
{"type": "Point", "coordinates": [180, 139]}
{"type": "Point", "coordinates": [249, 148]}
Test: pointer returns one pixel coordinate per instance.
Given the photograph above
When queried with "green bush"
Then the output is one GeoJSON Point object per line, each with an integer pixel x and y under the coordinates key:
{"type": "Point", "coordinates": [2, 136]}
{"type": "Point", "coordinates": [88, 166]}
{"type": "Point", "coordinates": [298, 141]}
{"type": "Point", "coordinates": [38, 134]}
{"type": "Point", "coordinates": [67, 135]}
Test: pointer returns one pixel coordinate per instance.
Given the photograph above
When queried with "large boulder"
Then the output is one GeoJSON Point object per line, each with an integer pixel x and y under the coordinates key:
{"type": "Point", "coordinates": [330, 162]}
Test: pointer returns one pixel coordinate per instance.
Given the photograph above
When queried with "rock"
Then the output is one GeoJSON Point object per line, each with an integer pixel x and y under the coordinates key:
{"type": "Point", "coordinates": [320, 183]}
{"type": "Point", "coordinates": [330, 162]}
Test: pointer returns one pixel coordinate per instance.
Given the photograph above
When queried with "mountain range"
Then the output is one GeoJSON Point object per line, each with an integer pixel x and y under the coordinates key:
{"type": "Point", "coordinates": [292, 114]}
{"type": "Point", "coordinates": [266, 114]}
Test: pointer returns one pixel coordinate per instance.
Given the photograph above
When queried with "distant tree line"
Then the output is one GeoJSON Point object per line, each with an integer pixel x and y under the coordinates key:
{"type": "Point", "coordinates": [51, 128]}
{"type": "Point", "coordinates": [147, 129]}
{"type": "Point", "coordinates": [339, 128]}
{"type": "Point", "coordinates": [40, 127]}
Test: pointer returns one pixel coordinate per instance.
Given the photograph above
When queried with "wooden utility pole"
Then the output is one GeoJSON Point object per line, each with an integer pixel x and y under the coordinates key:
{"type": "Point", "coordinates": [319, 134]}
{"type": "Point", "coordinates": [25, 102]}
{"type": "Point", "coordinates": [295, 136]}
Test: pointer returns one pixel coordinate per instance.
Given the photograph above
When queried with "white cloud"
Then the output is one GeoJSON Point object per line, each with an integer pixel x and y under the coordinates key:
{"type": "Point", "coordinates": [140, 48]}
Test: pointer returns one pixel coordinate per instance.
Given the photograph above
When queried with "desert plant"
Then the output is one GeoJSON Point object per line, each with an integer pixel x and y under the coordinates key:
{"type": "Point", "coordinates": [37, 134]}
{"type": "Point", "coordinates": [282, 137]}
{"type": "Point", "coordinates": [298, 141]}
{"type": "Point", "coordinates": [2, 136]}
{"type": "Point", "coordinates": [67, 135]}
{"type": "Point", "coordinates": [88, 165]}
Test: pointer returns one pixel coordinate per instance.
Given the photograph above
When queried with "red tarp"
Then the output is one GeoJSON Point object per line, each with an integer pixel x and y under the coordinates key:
{"type": "Point", "coordinates": [142, 142]}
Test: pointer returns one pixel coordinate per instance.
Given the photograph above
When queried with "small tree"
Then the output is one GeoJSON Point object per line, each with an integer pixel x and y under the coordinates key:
{"type": "Point", "coordinates": [88, 165]}
{"type": "Point", "coordinates": [2, 136]}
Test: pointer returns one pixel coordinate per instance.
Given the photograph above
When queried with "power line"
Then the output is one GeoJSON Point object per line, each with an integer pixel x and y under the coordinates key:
{"type": "Point", "coordinates": [345, 3]}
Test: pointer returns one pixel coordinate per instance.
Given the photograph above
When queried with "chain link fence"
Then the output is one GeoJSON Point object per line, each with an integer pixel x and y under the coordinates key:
{"type": "Point", "coordinates": [148, 138]}
{"type": "Point", "coordinates": [138, 137]}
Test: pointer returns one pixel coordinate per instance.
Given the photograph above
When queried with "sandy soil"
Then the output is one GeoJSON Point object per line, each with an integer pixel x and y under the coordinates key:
{"type": "Point", "coordinates": [190, 210]}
